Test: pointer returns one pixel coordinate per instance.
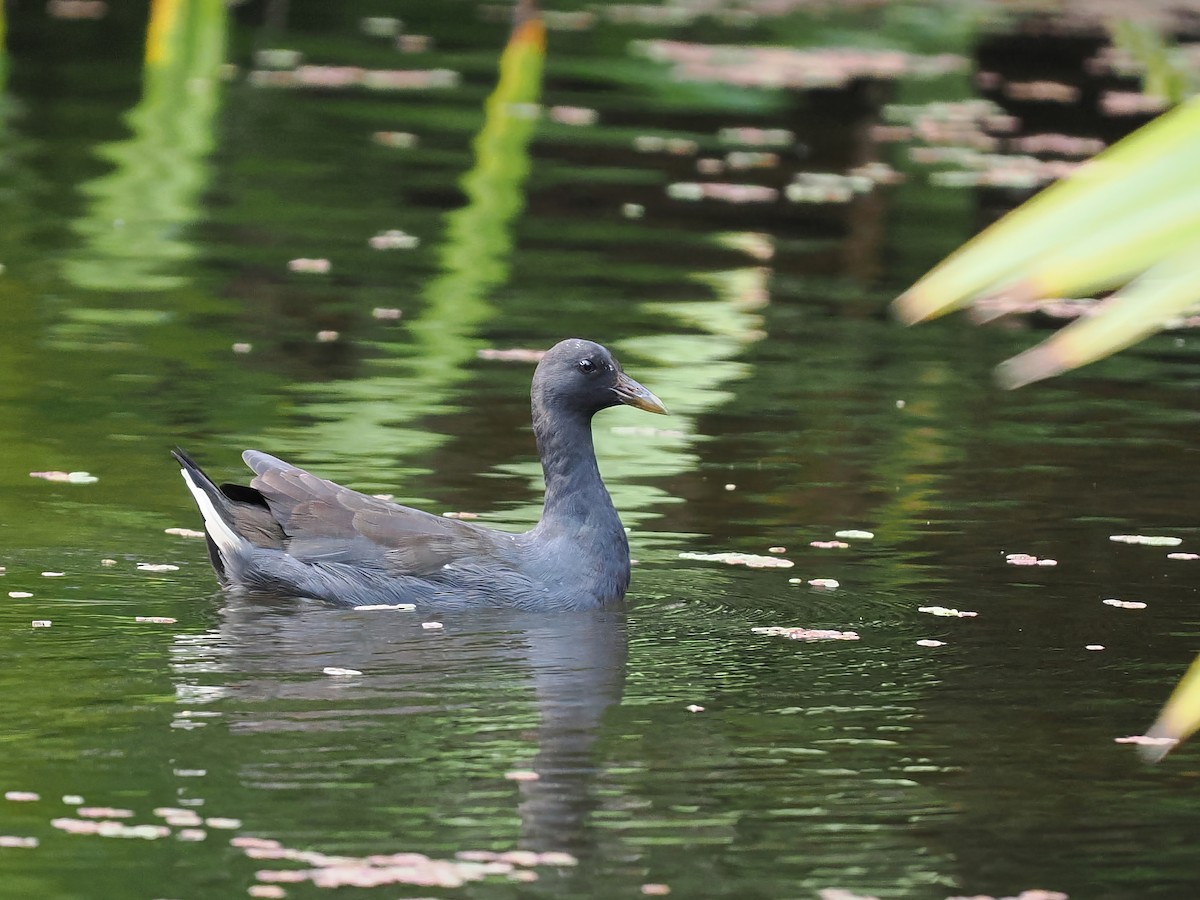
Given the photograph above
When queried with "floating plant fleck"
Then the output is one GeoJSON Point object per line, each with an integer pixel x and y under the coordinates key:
{"type": "Point", "coordinates": [242, 347]}
{"type": "Point", "coordinates": [310, 266]}
{"type": "Point", "coordinates": [157, 567]}
{"type": "Point", "coordinates": [1094, 647]}
{"type": "Point", "coordinates": [374, 606]}
{"type": "Point", "coordinates": [522, 775]}
{"type": "Point", "coordinates": [806, 634]}
{"type": "Point", "coordinates": [1124, 604]}
{"type": "Point", "coordinates": [1149, 540]}
{"type": "Point", "coordinates": [339, 670]}
{"type": "Point", "coordinates": [929, 642]}
{"type": "Point", "coordinates": [574, 115]}
{"type": "Point", "coordinates": [516, 354]}
{"type": "Point", "coordinates": [41, 623]}
{"type": "Point", "coordinates": [750, 560]}
{"type": "Point", "coordinates": [103, 812]}
{"type": "Point", "coordinates": [156, 620]}
{"type": "Point", "coordinates": [853, 534]}
{"type": "Point", "coordinates": [67, 477]}
{"type": "Point", "coordinates": [402, 139]}
{"type": "Point", "coordinates": [19, 595]}
{"type": "Point", "coordinates": [947, 612]}
{"type": "Point", "coordinates": [386, 313]}
{"type": "Point", "coordinates": [1145, 740]}
{"type": "Point", "coordinates": [394, 240]}
{"type": "Point", "coordinates": [1028, 559]}
{"type": "Point", "coordinates": [694, 708]}
{"type": "Point", "coordinates": [53, 574]}
{"type": "Point", "coordinates": [184, 532]}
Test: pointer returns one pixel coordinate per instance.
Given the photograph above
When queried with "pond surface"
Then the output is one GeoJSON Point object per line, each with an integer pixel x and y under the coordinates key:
{"type": "Point", "coordinates": [149, 215]}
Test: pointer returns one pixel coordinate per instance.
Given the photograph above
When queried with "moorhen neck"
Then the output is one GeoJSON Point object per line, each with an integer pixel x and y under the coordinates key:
{"type": "Point", "coordinates": [292, 533]}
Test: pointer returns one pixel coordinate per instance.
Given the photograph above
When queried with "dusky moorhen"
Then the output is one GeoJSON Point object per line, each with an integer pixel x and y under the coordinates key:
{"type": "Point", "coordinates": [292, 533]}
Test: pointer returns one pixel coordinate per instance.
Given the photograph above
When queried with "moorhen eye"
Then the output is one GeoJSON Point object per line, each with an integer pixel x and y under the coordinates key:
{"type": "Point", "coordinates": [291, 534]}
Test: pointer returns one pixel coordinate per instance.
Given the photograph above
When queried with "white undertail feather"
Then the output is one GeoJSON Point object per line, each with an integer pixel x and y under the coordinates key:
{"type": "Point", "coordinates": [227, 540]}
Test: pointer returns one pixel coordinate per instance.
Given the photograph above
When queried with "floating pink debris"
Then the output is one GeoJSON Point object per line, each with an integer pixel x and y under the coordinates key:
{"type": "Point", "coordinates": [947, 612]}
{"type": "Point", "coordinates": [9, 840]}
{"type": "Point", "coordinates": [339, 670]}
{"type": "Point", "coordinates": [394, 239]}
{"type": "Point", "coordinates": [779, 67]}
{"type": "Point", "coordinates": [516, 354]}
{"type": "Point", "coordinates": [327, 336]}
{"type": "Point", "coordinates": [1183, 556]}
{"type": "Point", "coordinates": [722, 192]}
{"type": "Point", "coordinates": [387, 314]}
{"type": "Point", "coordinates": [103, 812]}
{"type": "Point", "coordinates": [402, 139]}
{"type": "Point", "coordinates": [1130, 103]}
{"type": "Point", "coordinates": [1028, 559]}
{"type": "Point", "coordinates": [574, 115]}
{"type": "Point", "coordinates": [66, 477]}
{"type": "Point", "coordinates": [694, 708]}
{"type": "Point", "coordinates": [157, 567]}
{"type": "Point", "coordinates": [829, 545]}
{"type": "Point", "coordinates": [414, 43]}
{"type": "Point", "coordinates": [1042, 91]}
{"type": "Point", "coordinates": [266, 891]}
{"type": "Point", "coordinates": [826, 584]}
{"type": "Point", "coordinates": [242, 347]}
{"type": "Point", "coordinates": [245, 840]}
{"type": "Point", "coordinates": [432, 626]}
{"type": "Point", "coordinates": [757, 137]}
{"type": "Point", "coordinates": [460, 515]}
{"type": "Point", "coordinates": [653, 889]}
{"type": "Point", "coordinates": [22, 796]}
{"type": "Point", "coordinates": [1144, 740]}
{"type": "Point", "coordinates": [310, 266]}
{"type": "Point", "coordinates": [522, 775]}
{"type": "Point", "coordinates": [1125, 604]}
{"type": "Point", "coordinates": [1150, 540]}
{"type": "Point", "coordinates": [224, 824]}
{"type": "Point", "coordinates": [806, 634]}
{"type": "Point", "coordinates": [184, 532]}
{"type": "Point", "coordinates": [777, 549]}
{"type": "Point", "coordinates": [191, 834]}
{"type": "Point", "coordinates": [750, 560]}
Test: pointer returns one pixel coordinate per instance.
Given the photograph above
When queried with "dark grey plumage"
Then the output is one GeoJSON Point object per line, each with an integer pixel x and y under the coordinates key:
{"type": "Point", "coordinates": [292, 533]}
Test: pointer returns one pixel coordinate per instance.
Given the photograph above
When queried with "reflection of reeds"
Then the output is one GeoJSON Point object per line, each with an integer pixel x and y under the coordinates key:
{"type": "Point", "coordinates": [131, 231]}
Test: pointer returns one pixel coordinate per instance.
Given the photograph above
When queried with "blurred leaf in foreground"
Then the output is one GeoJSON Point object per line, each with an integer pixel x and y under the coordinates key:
{"type": "Point", "coordinates": [1133, 212]}
{"type": "Point", "coordinates": [1180, 717]}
